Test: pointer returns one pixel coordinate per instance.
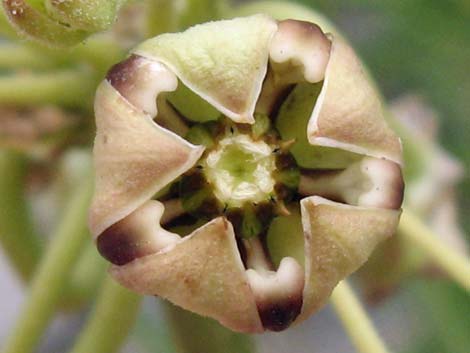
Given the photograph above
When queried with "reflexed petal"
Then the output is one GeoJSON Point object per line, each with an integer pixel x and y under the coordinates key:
{"type": "Point", "coordinates": [137, 235]}
{"type": "Point", "coordinates": [348, 113]}
{"type": "Point", "coordinates": [338, 239]}
{"type": "Point", "coordinates": [202, 273]}
{"type": "Point", "coordinates": [371, 182]}
{"type": "Point", "coordinates": [140, 80]}
{"type": "Point", "coordinates": [224, 62]}
{"type": "Point", "coordinates": [131, 158]}
{"type": "Point", "coordinates": [302, 47]}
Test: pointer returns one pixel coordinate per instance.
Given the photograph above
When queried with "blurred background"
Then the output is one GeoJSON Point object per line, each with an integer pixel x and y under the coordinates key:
{"type": "Point", "coordinates": [419, 54]}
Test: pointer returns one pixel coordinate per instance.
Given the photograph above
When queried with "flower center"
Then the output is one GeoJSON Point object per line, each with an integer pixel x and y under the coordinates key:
{"type": "Point", "coordinates": [240, 170]}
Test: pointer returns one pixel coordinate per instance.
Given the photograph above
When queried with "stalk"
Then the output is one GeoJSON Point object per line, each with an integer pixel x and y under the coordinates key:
{"type": "Point", "coordinates": [52, 273]}
{"type": "Point", "coordinates": [70, 88]}
{"type": "Point", "coordinates": [419, 235]}
{"type": "Point", "coordinates": [111, 320]}
{"type": "Point", "coordinates": [15, 56]}
{"type": "Point", "coordinates": [193, 333]}
{"type": "Point", "coordinates": [355, 320]}
{"type": "Point", "coordinates": [85, 278]}
{"type": "Point", "coordinates": [18, 236]}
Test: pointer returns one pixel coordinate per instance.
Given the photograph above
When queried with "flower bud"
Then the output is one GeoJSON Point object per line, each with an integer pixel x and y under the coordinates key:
{"type": "Point", "coordinates": [222, 130]}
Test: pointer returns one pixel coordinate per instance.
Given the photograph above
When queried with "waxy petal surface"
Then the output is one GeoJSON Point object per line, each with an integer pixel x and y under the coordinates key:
{"type": "Point", "coordinates": [132, 159]}
{"type": "Point", "coordinates": [202, 273]}
{"type": "Point", "coordinates": [348, 113]}
{"type": "Point", "coordinates": [224, 62]}
{"type": "Point", "coordinates": [338, 240]}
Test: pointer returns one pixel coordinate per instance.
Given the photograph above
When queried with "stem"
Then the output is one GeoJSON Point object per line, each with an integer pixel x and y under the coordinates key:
{"type": "Point", "coordinates": [47, 286]}
{"type": "Point", "coordinates": [14, 56]}
{"type": "Point", "coordinates": [85, 278]}
{"type": "Point", "coordinates": [355, 320]}
{"type": "Point", "coordinates": [194, 333]}
{"type": "Point", "coordinates": [416, 232]}
{"type": "Point", "coordinates": [67, 87]}
{"type": "Point", "coordinates": [111, 320]}
{"type": "Point", "coordinates": [17, 232]}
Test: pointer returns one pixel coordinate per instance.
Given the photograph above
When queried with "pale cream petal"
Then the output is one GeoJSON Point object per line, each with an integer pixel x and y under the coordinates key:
{"type": "Point", "coordinates": [349, 113]}
{"type": "Point", "coordinates": [338, 240]}
{"type": "Point", "coordinates": [202, 273]}
{"type": "Point", "coordinates": [140, 80]}
{"type": "Point", "coordinates": [278, 294]}
{"type": "Point", "coordinates": [299, 46]}
{"type": "Point", "coordinates": [370, 182]}
{"type": "Point", "coordinates": [137, 235]}
{"type": "Point", "coordinates": [224, 62]}
{"type": "Point", "coordinates": [132, 159]}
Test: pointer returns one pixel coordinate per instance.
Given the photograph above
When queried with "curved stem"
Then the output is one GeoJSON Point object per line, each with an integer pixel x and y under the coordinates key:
{"type": "Point", "coordinates": [17, 234]}
{"type": "Point", "coordinates": [416, 232]}
{"type": "Point", "coordinates": [52, 273]}
{"type": "Point", "coordinates": [111, 320]}
{"type": "Point", "coordinates": [355, 320]}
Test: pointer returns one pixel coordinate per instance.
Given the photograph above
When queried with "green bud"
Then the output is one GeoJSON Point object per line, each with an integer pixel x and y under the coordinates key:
{"type": "Point", "coordinates": [261, 126]}
{"type": "Point", "coordinates": [200, 135]}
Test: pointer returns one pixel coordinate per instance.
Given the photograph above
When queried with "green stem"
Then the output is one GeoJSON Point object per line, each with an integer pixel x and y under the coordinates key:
{"type": "Point", "coordinates": [85, 278]}
{"type": "Point", "coordinates": [194, 333]}
{"type": "Point", "coordinates": [70, 88]}
{"type": "Point", "coordinates": [417, 233]}
{"type": "Point", "coordinates": [355, 320]}
{"type": "Point", "coordinates": [17, 234]}
{"type": "Point", "coordinates": [111, 320]}
{"type": "Point", "coordinates": [23, 245]}
{"type": "Point", "coordinates": [47, 286]}
{"type": "Point", "coordinates": [14, 56]}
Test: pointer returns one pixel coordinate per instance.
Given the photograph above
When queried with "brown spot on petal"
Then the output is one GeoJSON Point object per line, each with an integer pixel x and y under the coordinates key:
{"type": "Point", "coordinates": [122, 75]}
{"type": "Point", "coordinates": [280, 315]}
{"type": "Point", "coordinates": [119, 245]}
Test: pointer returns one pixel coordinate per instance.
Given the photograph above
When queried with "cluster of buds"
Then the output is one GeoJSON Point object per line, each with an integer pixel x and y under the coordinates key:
{"type": "Point", "coordinates": [243, 168]}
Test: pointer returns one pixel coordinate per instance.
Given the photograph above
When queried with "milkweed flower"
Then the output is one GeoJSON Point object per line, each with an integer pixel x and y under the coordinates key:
{"type": "Point", "coordinates": [243, 168]}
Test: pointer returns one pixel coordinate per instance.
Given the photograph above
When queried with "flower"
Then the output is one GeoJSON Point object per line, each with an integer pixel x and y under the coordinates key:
{"type": "Point", "coordinates": [243, 168]}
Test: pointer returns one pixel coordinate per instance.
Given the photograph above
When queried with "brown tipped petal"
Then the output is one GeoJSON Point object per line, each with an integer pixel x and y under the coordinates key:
{"type": "Point", "coordinates": [202, 273]}
{"type": "Point", "coordinates": [137, 235]}
{"type": "Point", "coordinates": [338, 239]}
{"type": "Point", "coordinates": [370, 182]}
{"type": "Point", "coordinates": [140, 80]}
{"type": "Point", "coordinates": [278, 294]}
{"type": "Point", "coordinates": [300, 46]}
{"type": "Point", "coordinates": [348, 113]}
{"type": "Point", "coordinates": [131, 158]}
{"type": "Point", "coordinates": [223, 62]}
